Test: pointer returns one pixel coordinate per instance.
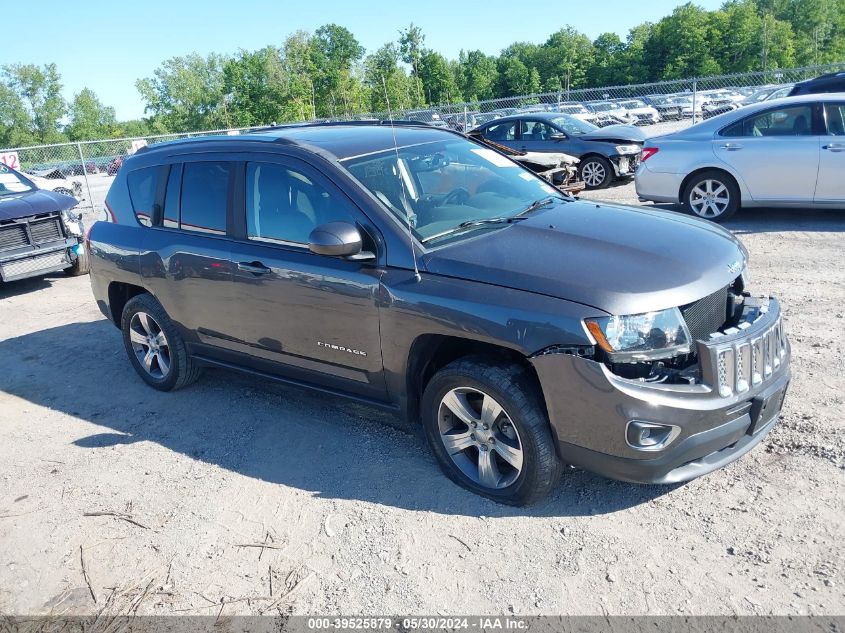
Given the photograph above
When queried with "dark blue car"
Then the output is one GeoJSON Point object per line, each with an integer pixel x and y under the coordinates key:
{"type": "Point", "coordinates": [606, 154]}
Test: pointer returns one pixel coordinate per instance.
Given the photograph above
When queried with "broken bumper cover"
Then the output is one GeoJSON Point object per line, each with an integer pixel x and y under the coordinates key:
{"type": "Point", "coordinates": [39, 261]}
{"type": "Point", "coordinates": [590, 409]}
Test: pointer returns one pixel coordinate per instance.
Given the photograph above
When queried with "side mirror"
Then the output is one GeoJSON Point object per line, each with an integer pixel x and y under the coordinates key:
{"type": "Point", "coordinates": [338, 239]}
{"type": "Point", "coordinates": [560, 136]}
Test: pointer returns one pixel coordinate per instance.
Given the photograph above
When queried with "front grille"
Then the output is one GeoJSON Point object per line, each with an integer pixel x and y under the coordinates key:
{"type": "Point", "coordinates": [707, 315]}
{"type": "Point", "coordinates": [46, 230]}
{"type": "Point", "coordinates": [12, 236]}
{"type": "Point", "coordinates": [750, 362]}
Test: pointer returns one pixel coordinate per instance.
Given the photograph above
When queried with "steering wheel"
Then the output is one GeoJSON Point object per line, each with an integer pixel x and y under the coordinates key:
{"type": "Point", "coordinates": [458, 195]}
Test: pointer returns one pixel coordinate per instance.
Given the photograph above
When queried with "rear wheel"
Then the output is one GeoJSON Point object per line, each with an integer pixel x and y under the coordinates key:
{"type": "Point", "coordinates": [489, 432]}
{"type": "Point", "coordinates": [712, 195]}
{"type": "Point", "coordinates": [154, 345]}
{"type": "Point", "coordinates": [596, 172]}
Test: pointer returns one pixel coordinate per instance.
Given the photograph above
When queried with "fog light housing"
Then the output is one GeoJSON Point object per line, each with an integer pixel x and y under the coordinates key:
{"type": "Point", "coordinates": [650, 436]}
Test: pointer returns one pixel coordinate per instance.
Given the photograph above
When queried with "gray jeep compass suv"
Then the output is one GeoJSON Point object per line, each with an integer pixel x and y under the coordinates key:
{"type": "Point", "coordinates": [419, 271]}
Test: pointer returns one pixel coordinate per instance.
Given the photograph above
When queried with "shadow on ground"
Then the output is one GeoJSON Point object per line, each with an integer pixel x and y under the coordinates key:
{"type": "Point", "coordinates": [777, 220]}
{"type": "Point", "coordinates": [262, 430]}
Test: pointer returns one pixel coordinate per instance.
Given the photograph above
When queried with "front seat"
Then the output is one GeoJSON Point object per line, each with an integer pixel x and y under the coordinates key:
{"type": "Point", "coordinates": [800, 127]}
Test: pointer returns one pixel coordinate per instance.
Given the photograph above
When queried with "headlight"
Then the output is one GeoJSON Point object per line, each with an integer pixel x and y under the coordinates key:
{"type": "Point", "coordinates": [647, 336]}
{"type": "Point", "coordinates": [73, 222]}
{"type": "Point", "coordinates": [628, 149]}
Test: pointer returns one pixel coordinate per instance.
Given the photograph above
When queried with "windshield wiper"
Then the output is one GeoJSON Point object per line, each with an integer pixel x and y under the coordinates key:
{"type": "Point", "coordinates": [471, 224]}
{"type": "Point", "coordinates": [538, 204]}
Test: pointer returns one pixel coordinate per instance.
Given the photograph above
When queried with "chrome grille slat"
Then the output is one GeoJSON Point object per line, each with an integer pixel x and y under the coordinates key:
{"type": "Point", "coordinates": [747, 363]}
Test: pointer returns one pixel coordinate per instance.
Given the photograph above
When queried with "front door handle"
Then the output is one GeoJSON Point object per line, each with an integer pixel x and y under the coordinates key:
{"type": "Point", "coordinates": [731, 147]}
{"type": "Point", "coordinates": [256, 268]}
{"type": "Point", "coordinates": [834, 147]}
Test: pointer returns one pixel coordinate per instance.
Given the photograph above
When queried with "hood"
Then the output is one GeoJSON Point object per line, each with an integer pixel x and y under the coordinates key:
{"type": "Point", "coordinates": [620, 260]}
{"type": "Point", "coordinates": [615, 134]}
{"type": "Point", "coordinates": [23, 205]}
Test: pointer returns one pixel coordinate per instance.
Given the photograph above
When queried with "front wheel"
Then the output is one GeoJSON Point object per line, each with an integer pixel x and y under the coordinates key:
{"type": "Point", "coordinates": [712, 195]}
{"type": "Point", "coordinates": [489, 432]}
{"type": "Point", "coordinates": [596, 172]}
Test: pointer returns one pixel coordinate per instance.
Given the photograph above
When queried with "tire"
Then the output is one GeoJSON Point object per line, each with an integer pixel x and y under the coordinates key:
{"type": "Point", "coordinates": [170, 365]}
{"type": "Point", "coordinates": [596, 172]}
{"type": "Point", "coordinates": [82, 265]}
{"type": "Point", "coordinates": [725, 201]}
{"type": "Point", "coordinates": [517, 449]}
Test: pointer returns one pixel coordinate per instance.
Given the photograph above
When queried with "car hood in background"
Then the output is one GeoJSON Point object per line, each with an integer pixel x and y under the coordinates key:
{"type": "Point", "coordinates": [615, 134]}
{"type": "Point", "coordinates": [620, 260]}
{"type": "Point", "coordinates": [22, 205]}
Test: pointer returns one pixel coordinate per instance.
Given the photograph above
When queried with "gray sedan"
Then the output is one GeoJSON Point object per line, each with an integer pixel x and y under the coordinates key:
{"type": "Point", "coordinates": [781, 153]}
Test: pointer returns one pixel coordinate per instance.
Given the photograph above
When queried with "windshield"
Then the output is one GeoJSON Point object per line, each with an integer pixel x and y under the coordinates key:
{"type": "Point", "coordinates": [442, 184]}
{"type": "Point", "coordinates": [633, 104]}
{"type": "Point", "coordinates": [573, 126]}
{"type": "Point", "coordinates": [602, 107]}
{"type": "Point", "coordinates": [12, 182]}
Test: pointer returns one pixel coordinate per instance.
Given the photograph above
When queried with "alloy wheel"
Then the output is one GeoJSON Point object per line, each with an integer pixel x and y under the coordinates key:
{"type": "Point", "coordinates": [150, 345]}
{"type": "Point", "coordinates": [480, 437]}
{"type": "Point", "coordinates": [593, 173]}
{"type": "Point", "coordinates": [709, 198]}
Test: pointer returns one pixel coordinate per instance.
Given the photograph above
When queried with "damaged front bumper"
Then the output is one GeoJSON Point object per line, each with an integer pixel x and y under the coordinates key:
{"type": "Point", "coordinates": [744, 374]}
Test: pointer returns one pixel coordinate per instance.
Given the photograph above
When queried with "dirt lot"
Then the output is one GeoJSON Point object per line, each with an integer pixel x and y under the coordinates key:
{"type": "Point", "coordinates": [355, 514]}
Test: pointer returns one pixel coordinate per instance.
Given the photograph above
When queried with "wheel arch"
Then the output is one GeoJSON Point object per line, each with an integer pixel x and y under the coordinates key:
{"type": "Point", "coordinates": [119, 294]}
{"type": "Point", "coordinates": [431, 352]}
{"type": "Point", "coordinates": [689, 177]}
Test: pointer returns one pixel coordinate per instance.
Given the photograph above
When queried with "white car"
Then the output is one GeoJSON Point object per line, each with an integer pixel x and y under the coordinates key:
{"type": "Point", "coordinates": [68, 186]}
{"type": "Point", "coordinates": [782, 153]}
{"type": "Point", "coordinates": [644, 113]}
{"type": "Point", "coordinates": [608, 108]}
{"type": "Point", "coordinates": [578, 111]}
{"type": "Point", "coordinates": [687, 106]}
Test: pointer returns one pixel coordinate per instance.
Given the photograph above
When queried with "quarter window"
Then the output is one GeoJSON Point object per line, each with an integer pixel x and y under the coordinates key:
{"type": "Point", "coordinates": [205, 188]}
{"type": "Point", "coordinates": [789, 121]}
{"type": "Point", "coordinates": [143, 186]}
{"type": "Point", "coordinates": [835, 115]}
{"type": "Point", "coordinates": [285, 205]}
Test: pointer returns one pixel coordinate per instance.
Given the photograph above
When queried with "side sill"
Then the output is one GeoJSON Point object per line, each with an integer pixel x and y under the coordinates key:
{"type": "Point", "coordinates": [380, 404]}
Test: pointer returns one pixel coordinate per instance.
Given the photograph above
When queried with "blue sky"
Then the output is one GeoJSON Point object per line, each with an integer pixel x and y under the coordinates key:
{"type": "Point", "coordinates": [107, 45]}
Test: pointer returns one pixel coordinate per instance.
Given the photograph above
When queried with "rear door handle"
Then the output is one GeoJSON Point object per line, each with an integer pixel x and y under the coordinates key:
{"type": "Point", "coordinates": [256, 268]}
{"type": "Point", "coordinates": [834, 147]}
{"type": "Point", "coordinates": [731, 147]}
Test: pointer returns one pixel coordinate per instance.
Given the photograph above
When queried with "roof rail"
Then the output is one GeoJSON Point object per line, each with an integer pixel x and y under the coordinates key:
{"type": "Point", "coordinates": [356, 122]}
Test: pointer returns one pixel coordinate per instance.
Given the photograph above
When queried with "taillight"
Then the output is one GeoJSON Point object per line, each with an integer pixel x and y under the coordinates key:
{"type": "Point", "coordinates": [647, 153]}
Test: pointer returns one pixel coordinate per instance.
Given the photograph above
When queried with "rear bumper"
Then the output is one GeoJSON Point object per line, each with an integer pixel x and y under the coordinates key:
{"type": "Point", "coordinates": [657, 186]}
{"type": "Point", "coordinates": [736, 402]}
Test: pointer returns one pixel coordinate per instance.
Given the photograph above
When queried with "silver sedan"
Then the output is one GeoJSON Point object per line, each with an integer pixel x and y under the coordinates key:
{"type": "Point", "coordinates": [781, 153]}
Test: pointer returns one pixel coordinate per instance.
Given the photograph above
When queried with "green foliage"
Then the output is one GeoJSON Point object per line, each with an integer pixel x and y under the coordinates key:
{"type": "Point", "coordinates": [89, 118]}
{"type": "Point", "coordinates": [39, 94]}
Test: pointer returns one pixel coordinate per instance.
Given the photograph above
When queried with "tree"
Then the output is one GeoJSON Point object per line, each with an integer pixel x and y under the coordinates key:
{"type": "Point", "coordinates": [565, 58]}
{"type": "Point", "coordinates": [16, 127]}
{"type": "Point", "coordinates": [680, 45]}
{"type": "Point", "coordinates": [89, 119]}
{"type": "Point", "coordinates": [186, 94]}
{"type": "Point", "coordinates": [607, 67]}
{"type": "Point", "coordinates": [383, 73]}
{"type": "Point", "coordinates": [476, 75]}
{"type": "Point", "coordinates": [39, 90]}
{"type": "Point", "coordinates": [334, 52]}
{"type": "Point", "coordinates": [411, 42]}
{"type": "Point", "coordinates": [437, 78]}
{"type": "Point", "coordinates": [255, 88]}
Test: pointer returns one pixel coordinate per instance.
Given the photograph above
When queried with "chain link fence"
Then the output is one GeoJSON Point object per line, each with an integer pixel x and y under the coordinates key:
{"type": "Point", "coordinates": [86, 169]}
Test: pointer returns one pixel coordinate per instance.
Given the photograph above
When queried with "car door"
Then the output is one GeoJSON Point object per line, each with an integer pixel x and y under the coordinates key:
{"type": "Point", "coordinates": [537, 136]}
{"type": "Point", "coordinates": [185, 258]}
{"type": "Point", "coordinates": [775, 153]}
{"type": "Point", "coordinates": [313, 317]}
{"type": "Point", "coordinates": [830, 188]}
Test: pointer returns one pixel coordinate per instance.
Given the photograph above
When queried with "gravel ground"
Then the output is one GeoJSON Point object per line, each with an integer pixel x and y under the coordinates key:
{"type": "Point", "coordinates": [356, 517]}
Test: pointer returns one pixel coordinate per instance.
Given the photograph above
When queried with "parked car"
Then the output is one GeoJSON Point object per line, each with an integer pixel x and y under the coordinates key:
{"type": "Point", "coordinates": [54, 181]}
{"type": "Point", "coordinates": [613, 110]}
{"type": "Point", "coordinates": [605, 153]}
{"type": "Point", "coordinates": [579, 111]}
{"type": "Point", "coordinates": [40, 232]}
{"type": "Point", "coordinates": [766, 93]}
{"type": "Point", "coordinates": [644, 113]}
{"type": "Point", "coordinates": [831, 82]}
{"type": "Point", "coordinates": [718, 105]}
{"type": "Point", "coordinates": [419, 271]}
{"type": "Point", "coordinates": [688, 108]}
{"type": "Point", "coordinates": [782, 153]}
{"type": "Point", "coordinates": [431, 117]}
{"type": "Point", "coordinates": [666, 108]}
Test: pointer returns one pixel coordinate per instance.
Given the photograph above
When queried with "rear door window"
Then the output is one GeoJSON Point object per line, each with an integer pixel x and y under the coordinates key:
{"type": "Point", "coordinates": [501, 131]}
{"type": "Point", "coordinates": [143, 192]}
{"type": "Point", "coordinates": [787, 121]}
{"type": "Point", "coordinates": [205, 197]}
{"type": "Point", "coordinates": [835, 115]}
